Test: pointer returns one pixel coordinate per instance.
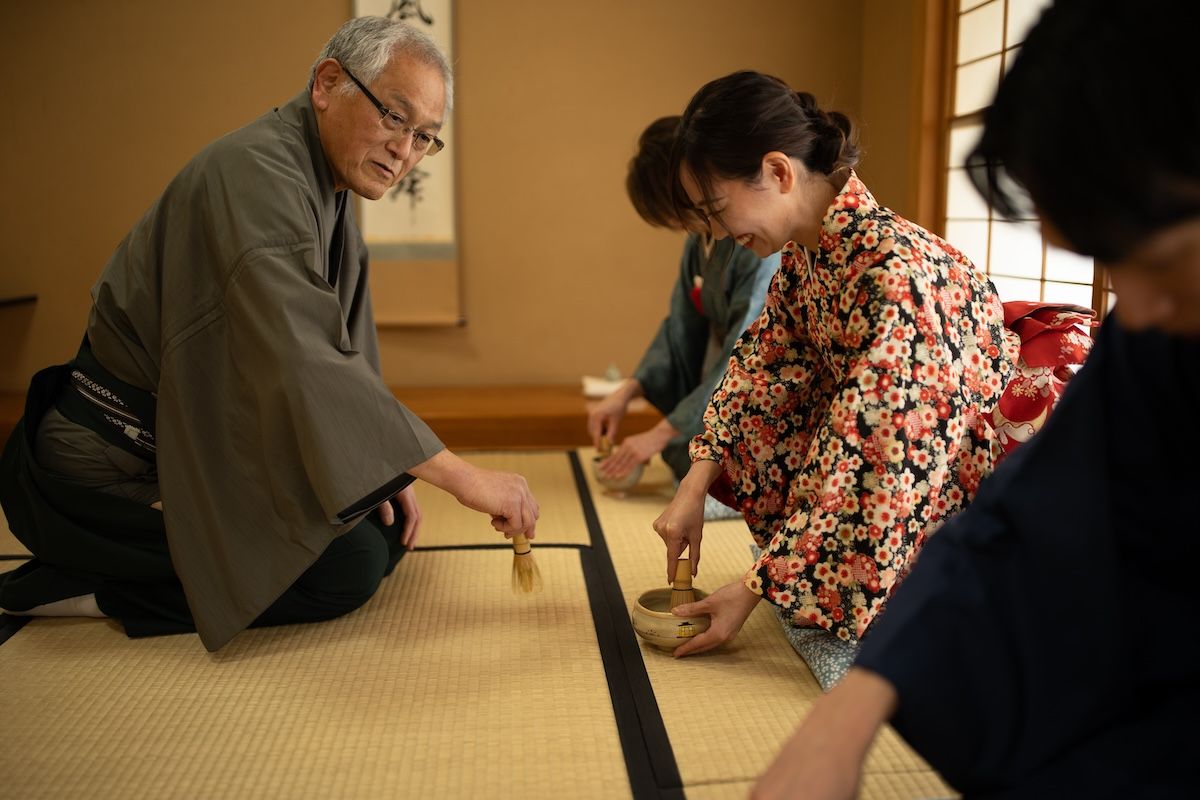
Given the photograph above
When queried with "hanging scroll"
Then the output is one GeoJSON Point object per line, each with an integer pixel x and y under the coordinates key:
{"type": "Point", "coordinates": [411, 231]}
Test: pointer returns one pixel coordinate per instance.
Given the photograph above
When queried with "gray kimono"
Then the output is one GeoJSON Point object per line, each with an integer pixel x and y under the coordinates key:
{"type": "Point", "coordinates": [241, 300]}
{"type": "Point", "coordinates": [717, 297]}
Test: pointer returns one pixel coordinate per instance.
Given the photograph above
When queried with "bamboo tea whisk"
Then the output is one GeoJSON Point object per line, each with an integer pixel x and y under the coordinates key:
{"type": "Point", "coordinates": [681, 587]}
{"type": "Point", "coordinates": [526, 578]}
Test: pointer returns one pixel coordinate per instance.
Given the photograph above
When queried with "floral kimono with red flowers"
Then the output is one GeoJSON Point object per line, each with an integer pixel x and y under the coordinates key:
{"type": "Point", "coordinates": [854, 414]}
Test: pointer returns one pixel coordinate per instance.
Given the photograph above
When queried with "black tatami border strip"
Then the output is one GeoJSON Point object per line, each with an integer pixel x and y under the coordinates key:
{"type": "Point", "coordinates": [649, 759]}
{"type": "Point", "coordinates": [441, 548]}
{"type": "Point", "coordinates": [10, 625]}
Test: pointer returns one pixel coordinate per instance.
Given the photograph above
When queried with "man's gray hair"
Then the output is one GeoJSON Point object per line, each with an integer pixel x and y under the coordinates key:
{"type": "Point", "coordinates": [365, 45]}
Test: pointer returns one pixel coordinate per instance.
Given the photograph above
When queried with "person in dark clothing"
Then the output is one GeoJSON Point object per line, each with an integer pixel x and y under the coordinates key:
{"type": "Point", "coordinates": [1044, 644]}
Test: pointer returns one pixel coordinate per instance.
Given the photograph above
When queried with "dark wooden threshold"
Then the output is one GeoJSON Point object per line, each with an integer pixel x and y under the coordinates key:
{"type": "Point", "coordinates": [512, 417]}
{"type": "Point", "coordinates": [475, 417]}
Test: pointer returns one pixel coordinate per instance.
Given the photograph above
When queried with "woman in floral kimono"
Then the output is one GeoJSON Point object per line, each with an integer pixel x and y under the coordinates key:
{"type": "Point", "coordinates": [853, 417]}
{"type": "Point", "coordinates": [1046, 643]}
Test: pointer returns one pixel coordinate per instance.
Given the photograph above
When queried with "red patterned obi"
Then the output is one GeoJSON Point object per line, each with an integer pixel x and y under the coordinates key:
{"type": "Point", "coordinates": [1054, 340]}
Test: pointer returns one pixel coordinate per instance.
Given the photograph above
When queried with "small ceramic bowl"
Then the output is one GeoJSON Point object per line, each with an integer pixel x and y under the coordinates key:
{"type": "Point", "coordinates": [621, 484]}
{"type": "Point", "coordinates": [654, 622]}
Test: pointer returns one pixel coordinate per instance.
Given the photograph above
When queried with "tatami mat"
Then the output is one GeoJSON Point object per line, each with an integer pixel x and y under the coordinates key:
{"type": "Point", "coordinates": [733, 790]}
{"type": "Point", "coordinates": [727, 712]}
{"type": "Point", "coordinates": [904, 786]}
{"type": "Point", "coordinates": [444, 685]}
{"type": "Point", "coordinates": [446, 523]}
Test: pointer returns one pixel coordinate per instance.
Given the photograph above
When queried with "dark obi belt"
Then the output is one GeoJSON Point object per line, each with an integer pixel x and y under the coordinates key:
{"type": "Point", "coordinates": [96, 399]}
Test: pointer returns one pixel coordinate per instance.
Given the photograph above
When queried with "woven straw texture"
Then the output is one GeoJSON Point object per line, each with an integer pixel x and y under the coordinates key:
{"type": "Point", "coordinates": [444, 685]}
{"type": "Point", "coordinates": [446, 523]}
{"type": "Point", "coordinates": [893, 786]}
{"type": "Point", "coordinates": [728, 711]}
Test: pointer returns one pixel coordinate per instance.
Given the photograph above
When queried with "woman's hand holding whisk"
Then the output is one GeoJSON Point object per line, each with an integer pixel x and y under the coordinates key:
{"type": "Point", "coordinates": [681, 525]}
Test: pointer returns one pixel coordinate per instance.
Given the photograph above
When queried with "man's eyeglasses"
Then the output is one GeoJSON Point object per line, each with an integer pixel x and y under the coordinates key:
{"type": "Point", "coordinates": [423, 142]}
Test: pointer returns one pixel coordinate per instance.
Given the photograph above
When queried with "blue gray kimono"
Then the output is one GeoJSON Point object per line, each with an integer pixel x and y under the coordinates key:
{"type": "Point", "coordinates": [687, 358]}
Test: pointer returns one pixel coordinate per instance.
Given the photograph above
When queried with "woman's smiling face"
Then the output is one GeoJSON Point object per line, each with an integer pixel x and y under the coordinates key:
{"type": "Point", "coordinates": [754, 214]}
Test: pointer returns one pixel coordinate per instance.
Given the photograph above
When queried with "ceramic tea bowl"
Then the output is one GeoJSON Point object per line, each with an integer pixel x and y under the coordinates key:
{"type": "Point", "coordinates": [654, 622]}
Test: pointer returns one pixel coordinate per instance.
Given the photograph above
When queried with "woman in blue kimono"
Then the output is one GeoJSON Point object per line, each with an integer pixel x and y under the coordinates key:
{"type": "Point", "coordinates": [720, 291]}
{"type": "Point", "coordinates": [1046, 643]}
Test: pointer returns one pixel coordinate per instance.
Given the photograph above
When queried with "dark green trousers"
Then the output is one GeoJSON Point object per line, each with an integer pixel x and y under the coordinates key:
{"type": "Point", "coordinates": [84, 542]}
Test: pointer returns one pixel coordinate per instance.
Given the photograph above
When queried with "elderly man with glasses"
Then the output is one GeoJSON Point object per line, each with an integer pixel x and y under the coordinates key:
{"type": "Point", "coordinates": [223, 452]}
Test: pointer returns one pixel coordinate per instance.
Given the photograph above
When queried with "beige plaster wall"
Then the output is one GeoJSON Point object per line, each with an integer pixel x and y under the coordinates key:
{"type": "Point", "coordinates": [889, 115]}
{"type": "Point", "coordinates": [105, 101]}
